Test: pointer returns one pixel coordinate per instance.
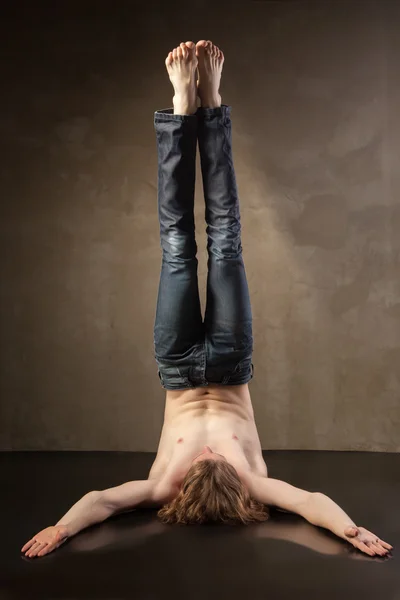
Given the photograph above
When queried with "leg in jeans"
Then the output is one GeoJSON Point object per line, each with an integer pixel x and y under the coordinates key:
{"type": "Point", "coordinates": [178, 328]}
{"type": "Point", "coordinates": [228, 317]}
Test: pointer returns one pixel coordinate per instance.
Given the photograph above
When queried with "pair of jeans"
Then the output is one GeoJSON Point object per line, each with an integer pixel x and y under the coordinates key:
{"type": "Point", "coordinates": [191, 353]}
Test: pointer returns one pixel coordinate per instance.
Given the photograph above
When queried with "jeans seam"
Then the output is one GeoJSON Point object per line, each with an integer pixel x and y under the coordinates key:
{"type": "Point", "coordinates": [203, 362]}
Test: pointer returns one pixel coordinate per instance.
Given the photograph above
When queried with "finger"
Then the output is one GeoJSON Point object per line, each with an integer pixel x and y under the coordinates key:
{"type": "Point", "coordinates": [364, 548]}
{"type": "Point", "coordinates": [386, 545]}
{"type": "Point", "coordinates": [28, 545]}
{"type": "Point", "coordinates": [376, 548]}
{"type": "Point", "coordinates": [378, 540]}
{"type": "Point", "coordinates": [32, 551]}
{"type": "Point", "coordinates": [375, 545]}
{"type": "Point", "coordinates": [43, 545]}
{"type": "Point", "coordinates": [35, 548]}
{"type": "Point", "coordinates": [383, 550]}
{"type": "Point", "coordinates": [50, 547]}
{"type": "Point", "coordinates": [380, 544]}
{"type": "Point", "coordinates": [46, 550]}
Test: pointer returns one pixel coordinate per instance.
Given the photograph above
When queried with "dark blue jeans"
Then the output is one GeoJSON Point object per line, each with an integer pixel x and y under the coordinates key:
{"type": "Point", "coordinates": [189, 352]}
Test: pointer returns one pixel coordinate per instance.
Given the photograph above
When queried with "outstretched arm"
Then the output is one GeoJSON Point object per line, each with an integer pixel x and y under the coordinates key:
{"type": "Point", "coordinates": [98, 506]}
{"type": "Point", "coordinates": [95, 507]}
{"type": "Point", "coordinates": [318, 509]}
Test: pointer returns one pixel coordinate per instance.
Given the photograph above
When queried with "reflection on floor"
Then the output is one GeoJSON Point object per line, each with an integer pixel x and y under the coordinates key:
{"type": "Point", "coordinates": [133, 555]}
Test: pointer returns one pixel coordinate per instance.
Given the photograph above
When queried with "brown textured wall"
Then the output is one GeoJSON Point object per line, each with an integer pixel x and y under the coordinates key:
{"type": "Point", "coordinates": [315, 93]}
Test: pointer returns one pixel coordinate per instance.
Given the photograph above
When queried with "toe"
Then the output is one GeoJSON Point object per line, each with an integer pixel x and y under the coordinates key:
{"type": "Point", "coordinates": [202, 48]}
{"type": "Point", "coordinates": [199, 50]}
{"type": "Point", "coordinates": [190, 50]}
{"type": "Point", "coordinates": [175, 53]}
{"type": "Point", "coordinates": [169, 59]}
{"type": "Point", "coordinates": [184, 49]}
{"type": "Point", "coordinates": [179, 52]}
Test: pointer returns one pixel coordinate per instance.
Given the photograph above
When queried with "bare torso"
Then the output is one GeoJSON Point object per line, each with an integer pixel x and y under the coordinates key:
{"type": "Point", "coordinates": [221, 417]}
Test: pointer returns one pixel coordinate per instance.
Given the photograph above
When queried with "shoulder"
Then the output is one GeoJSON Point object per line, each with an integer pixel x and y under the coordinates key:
{"type": "Point", "coordinates": [165, 490]}
{"type": "Point", "coordinates": [168, 484]}
{"type": "Point", "coordinates": [276, 492]}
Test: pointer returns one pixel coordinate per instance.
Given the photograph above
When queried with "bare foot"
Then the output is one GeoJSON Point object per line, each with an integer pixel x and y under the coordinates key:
{"type": "Point", "coordinates": [181, 65]}
{"type": "Point", "coordinates": [211, 60]}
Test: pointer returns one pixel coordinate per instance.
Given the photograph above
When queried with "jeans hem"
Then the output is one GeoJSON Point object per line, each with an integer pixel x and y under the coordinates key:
{"type": "Point", "coordinates": [218, 111]}
{"type": "Point", "coordinates": [188, 386]}
{"type": "Point", "coordinates": [193, 387]}
{"type": "Point", "coordinates": [167, 114]}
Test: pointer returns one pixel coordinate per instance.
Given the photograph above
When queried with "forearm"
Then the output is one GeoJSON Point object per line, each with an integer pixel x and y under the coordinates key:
{"type": "Point", "coordinates": [87, 511]}
{"type": "Point", "coordinates": [322, 511]}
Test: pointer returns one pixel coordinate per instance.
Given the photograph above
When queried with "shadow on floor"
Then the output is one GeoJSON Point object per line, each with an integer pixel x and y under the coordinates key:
{"type": "Point", "coordinates": [133, 555]}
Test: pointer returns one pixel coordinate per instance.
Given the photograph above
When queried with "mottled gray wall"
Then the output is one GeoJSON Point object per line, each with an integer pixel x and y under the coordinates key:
{"type": "Point", "coordinates": [314, 88]}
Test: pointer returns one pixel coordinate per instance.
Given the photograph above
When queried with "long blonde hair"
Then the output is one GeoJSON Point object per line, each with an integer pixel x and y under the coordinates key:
{"type": "Point", "coordinates": [213, 492]}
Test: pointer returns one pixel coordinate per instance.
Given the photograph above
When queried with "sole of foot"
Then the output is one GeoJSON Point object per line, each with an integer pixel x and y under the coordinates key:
{"type": "Point", "coordinates": [181, 64]}
{"type": "Point", "coordinates": [210, 63]}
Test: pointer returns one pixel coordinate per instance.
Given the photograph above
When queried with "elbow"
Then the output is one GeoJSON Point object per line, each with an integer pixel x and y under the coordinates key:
{"type": "Point", "coordinates": [99, 504]}
{"type": "Point", "coordinates": [310, 498]}
{"type": "Point", "coordinates": [95, 495]}
{"type": "Point", "coordinates": [315, 497]}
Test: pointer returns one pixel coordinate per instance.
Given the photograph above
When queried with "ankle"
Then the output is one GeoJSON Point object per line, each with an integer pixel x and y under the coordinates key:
{"type": "Point", "coordinates": [184, 106]}
{"type": "Point", "coordinates": [211, 101]}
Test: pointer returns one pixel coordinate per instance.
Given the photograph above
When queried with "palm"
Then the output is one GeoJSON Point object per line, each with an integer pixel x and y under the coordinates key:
{"type": "Point", "coordinates": [366, 541]}
{"type": "Point", "coordinates": [46, 541]}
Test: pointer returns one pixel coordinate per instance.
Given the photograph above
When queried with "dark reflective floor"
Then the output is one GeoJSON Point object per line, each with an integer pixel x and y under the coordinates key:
{"type": "Point", "coordinates": [133, 555]}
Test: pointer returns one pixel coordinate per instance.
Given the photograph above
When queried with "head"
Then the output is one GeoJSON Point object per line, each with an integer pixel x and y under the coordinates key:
{"type": "Point", "coordinates": [212, 492]}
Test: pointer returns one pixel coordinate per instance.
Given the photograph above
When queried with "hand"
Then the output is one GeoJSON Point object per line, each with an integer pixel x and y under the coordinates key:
{"type": "Point", "coordinates": [366, 541]}
{"type": "Point", "coordinates": [46, 541]}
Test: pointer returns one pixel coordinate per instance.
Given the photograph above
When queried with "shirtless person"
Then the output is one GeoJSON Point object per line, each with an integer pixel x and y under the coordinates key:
{"type": "Point", "coordinates": [209, 465]}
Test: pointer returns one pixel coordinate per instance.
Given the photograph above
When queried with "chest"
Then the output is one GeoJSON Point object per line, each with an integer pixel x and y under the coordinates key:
{"type": "Point", "coordinates": [227, 434]}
